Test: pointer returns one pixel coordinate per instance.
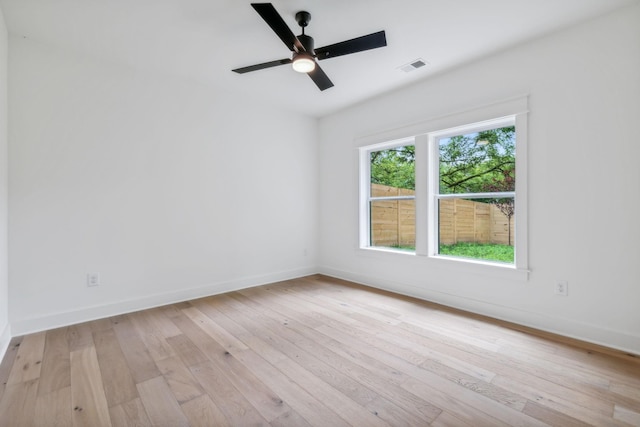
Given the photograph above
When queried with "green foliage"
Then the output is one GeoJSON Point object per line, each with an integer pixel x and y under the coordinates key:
{"type": "Point", "coordinates": [482, 251]}
{"type": "Point", "coordinates": [472, 163]}
{"type": "Point", "coordinates": [394, 167]}
{"type": "Point", "coordinates": [478, 162]}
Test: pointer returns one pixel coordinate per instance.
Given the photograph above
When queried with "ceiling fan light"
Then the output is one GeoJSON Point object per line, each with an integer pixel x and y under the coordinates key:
{"type": "Point", "coordinates": [303, 62]}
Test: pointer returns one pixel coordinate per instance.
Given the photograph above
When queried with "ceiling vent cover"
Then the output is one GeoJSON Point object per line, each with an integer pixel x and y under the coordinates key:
{"type": "Point", "coordinates": [413, 65]}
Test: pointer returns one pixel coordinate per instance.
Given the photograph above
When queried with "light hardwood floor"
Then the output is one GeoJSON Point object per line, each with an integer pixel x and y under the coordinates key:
{"type": "Point", "coordinates": [313, 351]}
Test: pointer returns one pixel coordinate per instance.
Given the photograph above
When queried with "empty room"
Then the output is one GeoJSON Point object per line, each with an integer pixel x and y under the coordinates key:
{"type": "Point", "coordinates": [437, 225]}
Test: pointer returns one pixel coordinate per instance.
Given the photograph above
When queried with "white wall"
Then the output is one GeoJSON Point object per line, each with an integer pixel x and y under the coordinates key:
{"type": "Point", "coordinates": [171, 190]}
{"type": "Point", "coordinates": [168, 189]}
{"type": "Point", "coordinates": [584, 98]}
{"type": "Point", "coordinates": [5, 332]}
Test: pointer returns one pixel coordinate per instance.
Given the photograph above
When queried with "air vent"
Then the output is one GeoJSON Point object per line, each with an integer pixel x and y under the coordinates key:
{"type": "Point", "coordinates": [413, 65]}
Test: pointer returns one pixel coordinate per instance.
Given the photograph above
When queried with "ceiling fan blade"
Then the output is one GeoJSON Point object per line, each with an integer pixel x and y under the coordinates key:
{"type": "Point", "coordinates": [277, 24]}
{"type": "Point", "coordinates": [320, 78]}
{"type": "Point", "coordinates": [263, 66]}
{"type": "Point", "coordinates": [370, 41]}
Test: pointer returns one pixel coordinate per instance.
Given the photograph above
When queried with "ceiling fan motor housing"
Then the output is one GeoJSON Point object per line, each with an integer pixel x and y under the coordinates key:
{"type": "Point", "coordinates": [303, 18]}
{"type": "Point", "coordinates": [307, 42]}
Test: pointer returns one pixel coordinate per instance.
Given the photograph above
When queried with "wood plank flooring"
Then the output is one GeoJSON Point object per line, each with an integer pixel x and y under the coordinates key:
{"type": "Point", "coordinates": [312, 352]}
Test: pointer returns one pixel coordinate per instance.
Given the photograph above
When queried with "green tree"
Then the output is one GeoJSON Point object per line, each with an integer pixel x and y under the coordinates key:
{"type": "Point", "coordinates": [471, 163]}
{"type": "Point", "coordinates": [394, 167]}
{"type": "Point", "coordinates": [481, 162]}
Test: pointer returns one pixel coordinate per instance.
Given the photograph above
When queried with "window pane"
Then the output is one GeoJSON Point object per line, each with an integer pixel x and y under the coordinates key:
{"type": "Point", "coordinates": [391, 170]}
{"type": "Point", "coordinates": [477, 228]}
{"type": "Point", "coordinates": [479, 162]}
{"type": "Point", "coordinates": [393, 224]}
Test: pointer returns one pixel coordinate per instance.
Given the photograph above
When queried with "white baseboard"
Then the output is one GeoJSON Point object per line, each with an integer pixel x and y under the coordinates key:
{"type": "Point", "coordinates": [5, 339]}
{"type": "Point", "coordinates": [56, 320]}
{"type": "Point", "coordinates": [587, 332]}
{"type": "Point", "coordinates": [570, 328]}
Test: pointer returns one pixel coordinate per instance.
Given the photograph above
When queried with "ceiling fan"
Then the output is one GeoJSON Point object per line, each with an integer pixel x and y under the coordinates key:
{"type": "Point", "coordinates": [304, 58]}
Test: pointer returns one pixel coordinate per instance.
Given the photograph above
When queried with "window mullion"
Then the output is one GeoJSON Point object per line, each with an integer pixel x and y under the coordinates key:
{"type": "Point", "coordinates": [422, 194]}
{"type": "Point", "coordinates": [365, 196]}
{"type": "Point", "coordinates": [433, 183]}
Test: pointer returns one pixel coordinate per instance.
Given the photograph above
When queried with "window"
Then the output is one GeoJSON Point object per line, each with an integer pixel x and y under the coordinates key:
{"type": "Point", "coordinates": [455, 191]}
{"type": "Point", "coordinates": [391, 197]}
{"type": "Point", "coordinates": [473, 171]}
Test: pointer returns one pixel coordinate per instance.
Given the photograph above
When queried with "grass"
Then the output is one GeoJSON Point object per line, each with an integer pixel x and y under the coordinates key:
{"type": "Point", "coordinates": [485, 251]}
{"type": "Point", "coordinates": [403, 247]}
{"type": "Point", "coordinates": [482, 251]}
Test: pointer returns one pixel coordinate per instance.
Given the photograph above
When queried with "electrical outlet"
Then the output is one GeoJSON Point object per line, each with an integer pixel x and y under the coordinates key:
{"type": "Point", "coordinates": [93, 279]}
{"type": "Point", "coordinates": [562, 288]}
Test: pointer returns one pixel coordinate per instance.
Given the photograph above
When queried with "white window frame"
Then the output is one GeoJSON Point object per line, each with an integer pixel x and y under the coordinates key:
{"type": "Point", "coordinates": [365, 192]}
{"type": "Point", "coordinates": [434, 178]}
{"type": "Point", "coordinates": [424, 136]}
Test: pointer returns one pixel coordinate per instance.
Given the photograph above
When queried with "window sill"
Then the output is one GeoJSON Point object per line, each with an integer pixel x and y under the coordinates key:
{"type": "Point", "coordinates": [367, 250]}
{"type": "Point", "coordinates": [495, 269]}
{"type": "Point", "coordinates": [464, 265]}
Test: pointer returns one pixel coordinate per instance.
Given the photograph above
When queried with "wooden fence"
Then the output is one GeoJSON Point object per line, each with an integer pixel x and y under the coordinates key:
{"type": "Point", "coordinates": [393, 222]}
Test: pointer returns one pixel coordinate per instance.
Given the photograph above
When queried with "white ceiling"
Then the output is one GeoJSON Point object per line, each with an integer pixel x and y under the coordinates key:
{"type": "Point", "coordinates": [203, 40]}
